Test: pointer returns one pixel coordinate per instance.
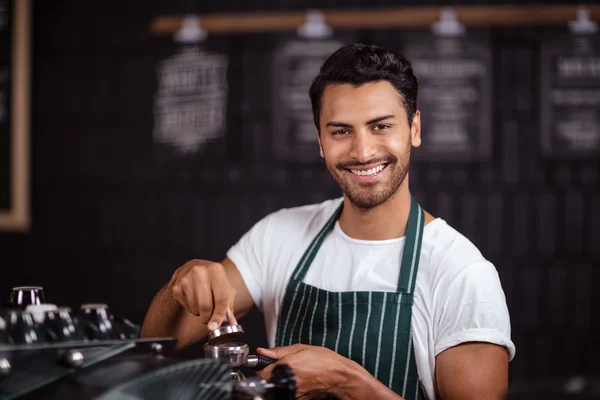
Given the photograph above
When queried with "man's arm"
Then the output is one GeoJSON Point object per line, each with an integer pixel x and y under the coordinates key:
{"type": "Point", "coordinates": [466, 371]}
{"type": "Point", "coordinates": [472, 370]}
{"type": "Point", "coordinates": [477, 371]}
{"type": "Point", "coordinates": [168, 317]}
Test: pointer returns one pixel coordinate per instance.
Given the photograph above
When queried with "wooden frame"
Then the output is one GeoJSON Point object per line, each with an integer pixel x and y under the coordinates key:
{"type": "Point", "coordinates": [398, 17]}
{"type": "Point", "coordinates": [17, 217]}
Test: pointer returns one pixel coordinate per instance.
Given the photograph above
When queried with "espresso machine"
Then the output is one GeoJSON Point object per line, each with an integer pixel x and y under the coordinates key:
{"type": "Point", "coordinates": [53, 352]}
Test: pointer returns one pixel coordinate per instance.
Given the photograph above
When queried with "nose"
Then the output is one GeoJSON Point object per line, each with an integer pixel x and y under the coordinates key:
{"type": "Point", "coordinates": [363, 147]}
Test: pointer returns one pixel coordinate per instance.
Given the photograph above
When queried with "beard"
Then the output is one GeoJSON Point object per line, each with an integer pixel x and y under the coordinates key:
{"type": "Point", "coordinates": [371, 195]}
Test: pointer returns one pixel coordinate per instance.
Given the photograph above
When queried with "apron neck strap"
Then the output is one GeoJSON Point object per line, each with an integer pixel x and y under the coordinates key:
{"type": "Point", "coordinates": [412, 248]}
{"type": "Point", "coordinates": [315, 245]}
{"type": "Point", "coordinates": [410, 254]}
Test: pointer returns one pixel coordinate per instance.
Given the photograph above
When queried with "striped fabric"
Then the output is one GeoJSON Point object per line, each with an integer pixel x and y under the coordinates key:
{"type": "Point", "coordinates": [371, 328]}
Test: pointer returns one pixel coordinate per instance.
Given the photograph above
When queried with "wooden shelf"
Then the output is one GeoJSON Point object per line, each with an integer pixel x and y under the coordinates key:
{"type": "Point", "coordinates": [399, 17]}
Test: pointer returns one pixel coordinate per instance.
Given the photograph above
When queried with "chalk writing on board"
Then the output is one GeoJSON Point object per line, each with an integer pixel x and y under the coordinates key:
{"type": "Point", "coordinates": [190, 105]}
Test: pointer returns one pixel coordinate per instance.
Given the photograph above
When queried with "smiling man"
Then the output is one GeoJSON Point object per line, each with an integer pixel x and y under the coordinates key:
{"type": "Point", "coordinates": [366, 296]}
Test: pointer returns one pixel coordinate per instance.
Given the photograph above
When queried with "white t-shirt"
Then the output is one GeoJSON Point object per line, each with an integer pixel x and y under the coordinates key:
{"type": "Point", "coordinates": [458, 297]}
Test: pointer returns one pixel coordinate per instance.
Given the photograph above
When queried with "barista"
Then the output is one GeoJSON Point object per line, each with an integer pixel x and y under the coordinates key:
{"type": "Point", "coordinates": [368, 295]}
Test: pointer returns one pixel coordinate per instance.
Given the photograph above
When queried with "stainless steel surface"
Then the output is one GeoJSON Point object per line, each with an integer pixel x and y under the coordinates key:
{"type": "Point", "coordinates": [237, 375]}
{"type": "Point", "coordinates": [234, 353]}
{"type": "Point", "coordinates": [252, 361]}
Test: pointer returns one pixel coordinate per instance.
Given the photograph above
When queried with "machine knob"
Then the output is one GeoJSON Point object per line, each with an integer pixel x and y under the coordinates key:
{"type": "Point", "coordinates": [38, 311]}
{"type": "Point", "coordinates": [4, 336]}
{"type": "Point", "coordinates": [96, 311]}
{"type": "Point", "coordinates": [99, 320]}
{"type": "Point", "coordinates": [22, 328]}
{"type": "Point", "coordinates": [5, 366]}
{"type": "Point", "coordinates": [62, 326]}
{"type": "Point", "coordinates": [22, 296]}
{"type": "Point", "coordinates": [284, 383]}
{"type": "Point", "coordinates": [125, 328]}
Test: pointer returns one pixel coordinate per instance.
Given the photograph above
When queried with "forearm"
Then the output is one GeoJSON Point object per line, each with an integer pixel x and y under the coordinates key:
{"type": "Point", "coordinates": [356, 383]}
{"type": "Point", "coordinates": [167, 318]}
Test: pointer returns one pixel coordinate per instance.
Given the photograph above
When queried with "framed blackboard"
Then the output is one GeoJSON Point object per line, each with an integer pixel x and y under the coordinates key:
{"type": "Point", "coordinates": [15, 31]}
{"type": "Point", "coordinates": [455, 95]}
{"type": "Point", "coordinates": [570, 93]}
{"type": "Point", "coordinates": [296, 64]}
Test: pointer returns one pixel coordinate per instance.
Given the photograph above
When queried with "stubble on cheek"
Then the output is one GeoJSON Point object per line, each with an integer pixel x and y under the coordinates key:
{"type": "Point", "coordinates": [371, 195]}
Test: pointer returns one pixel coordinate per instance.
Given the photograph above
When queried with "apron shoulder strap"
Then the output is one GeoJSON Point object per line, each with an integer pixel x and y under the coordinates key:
{"type": "Point", "coordinates": [310, 253]}
{"type": "Point", "coordinates": [410, 255]}
{"type": "Point", "coordinates": [412, 248]}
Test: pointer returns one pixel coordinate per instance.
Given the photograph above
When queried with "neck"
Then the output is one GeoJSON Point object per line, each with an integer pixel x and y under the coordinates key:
{"type": "Point", "coordinates": [386, 221]}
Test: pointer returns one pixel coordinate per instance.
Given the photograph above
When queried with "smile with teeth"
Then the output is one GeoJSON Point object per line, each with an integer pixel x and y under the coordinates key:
{"type": "Point", "coordinates": [368, 172]}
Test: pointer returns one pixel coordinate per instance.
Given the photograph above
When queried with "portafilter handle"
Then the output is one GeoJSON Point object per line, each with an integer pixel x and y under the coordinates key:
{"type": "Point", "coordinates": [258, 362]}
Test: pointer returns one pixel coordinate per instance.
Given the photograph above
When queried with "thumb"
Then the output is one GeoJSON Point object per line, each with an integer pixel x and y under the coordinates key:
{"type": "Point", "coordinates": [271, 353]}
{"type": "Point", "coordinates": [280, 352]}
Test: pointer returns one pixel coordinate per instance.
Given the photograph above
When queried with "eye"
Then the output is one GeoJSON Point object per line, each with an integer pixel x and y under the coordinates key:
{"type": "Point", "coordinates": [340, 132]}
{"type": "Point", "coordinates": [380, 127]}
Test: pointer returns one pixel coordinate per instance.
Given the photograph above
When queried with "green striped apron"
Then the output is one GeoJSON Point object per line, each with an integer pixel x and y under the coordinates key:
{"type": "Point", "coordinates": [371, 328]}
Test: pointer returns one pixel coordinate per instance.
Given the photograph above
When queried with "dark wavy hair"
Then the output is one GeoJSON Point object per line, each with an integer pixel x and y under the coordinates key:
{"type": "Point", "coordinates": [357, 64]}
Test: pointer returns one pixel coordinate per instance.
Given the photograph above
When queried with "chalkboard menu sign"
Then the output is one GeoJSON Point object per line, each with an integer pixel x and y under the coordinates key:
{"type": "Point", "coordinates": [570, 97]}
{"type": "Point", "coordinates": [190, 105]}
{"type": "Point", "coordinates": [297, 63]}
{"type": "Point", "coordinates": [454, 75]}
{"type": "Point", "coordinates": [14, 114]}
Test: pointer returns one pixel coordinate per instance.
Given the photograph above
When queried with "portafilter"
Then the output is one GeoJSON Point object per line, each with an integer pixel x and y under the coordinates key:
{"type": "Point", "coordinates": [222, 345]}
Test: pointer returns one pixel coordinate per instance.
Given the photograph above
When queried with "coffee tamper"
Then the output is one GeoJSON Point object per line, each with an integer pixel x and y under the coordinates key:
{"type": "Point", "coordinates": [226, 333]}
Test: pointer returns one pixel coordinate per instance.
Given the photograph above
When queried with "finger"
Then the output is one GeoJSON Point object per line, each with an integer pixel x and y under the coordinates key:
{"type": "Point", "coordinates": [279, 352]}
{"type": "Point", "coordinates": [220, 308]}
{"type": "Point", "coordinates": [189, 292]}
{"type": "Point", "coordinates": [267, 352]}
{"type": "Point", "coordinates": [221, 293]}
{"type": "Point", "coordinates": [203, 299]}
{"type": "Point", "coordinates": [187, 295]}
{"type": "Point", "coordinates": [178, 294]}
{"type": "Point", "coordinates": [231, 315]}
{"type": "Point", "coordinates": [186, 305]}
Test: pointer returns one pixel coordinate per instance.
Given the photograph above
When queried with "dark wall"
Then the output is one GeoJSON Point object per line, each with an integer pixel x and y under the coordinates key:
{"type": "Point", "coordinates": [114, 213]}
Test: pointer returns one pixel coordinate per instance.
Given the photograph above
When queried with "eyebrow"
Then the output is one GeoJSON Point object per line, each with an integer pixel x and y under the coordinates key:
{"type": "Point", "coordinates": [369, 122]}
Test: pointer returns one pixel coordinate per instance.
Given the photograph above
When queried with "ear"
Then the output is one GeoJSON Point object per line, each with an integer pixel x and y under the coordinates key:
{"type": "Point", "coordinates": [320, 145]}
{"type": "Point", "coordinates": [415, 130]}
